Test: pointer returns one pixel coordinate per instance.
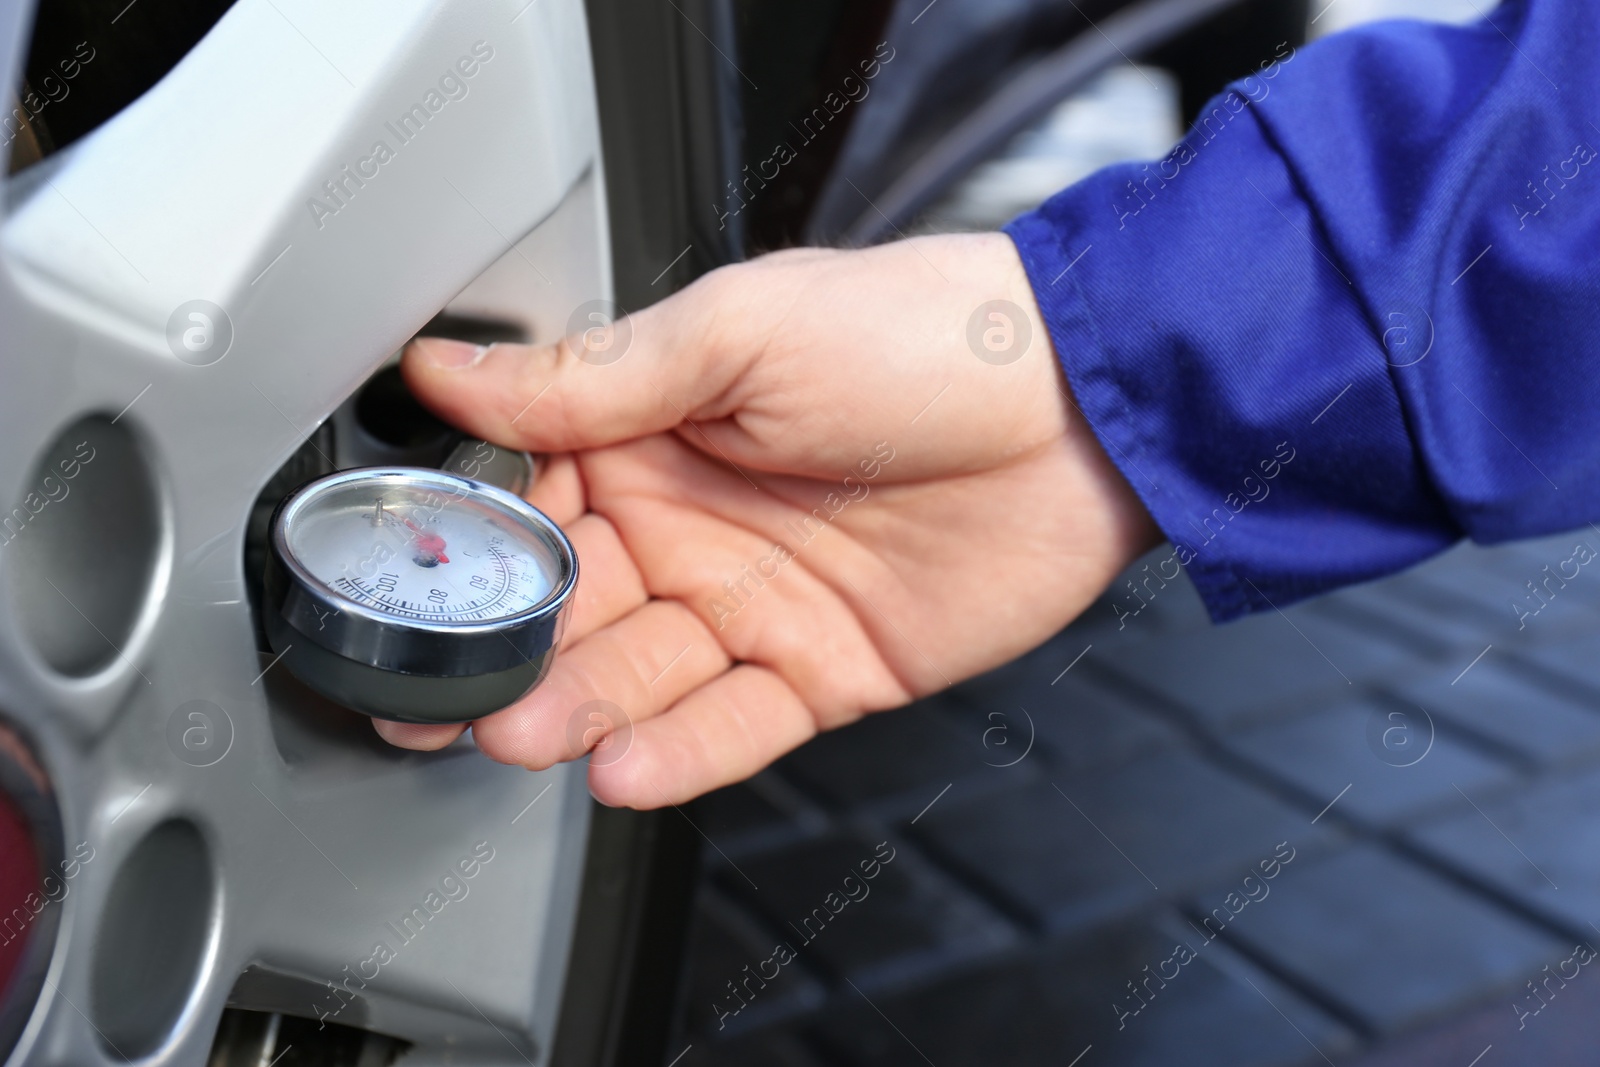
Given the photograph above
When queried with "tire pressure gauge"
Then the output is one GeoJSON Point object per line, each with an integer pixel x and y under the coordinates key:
{"type": "Point", "coordinates": [414, 594]}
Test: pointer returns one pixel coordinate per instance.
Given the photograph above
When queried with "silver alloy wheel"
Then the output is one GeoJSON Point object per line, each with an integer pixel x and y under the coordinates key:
{"type": "Point", "coordinates": [246, 840]}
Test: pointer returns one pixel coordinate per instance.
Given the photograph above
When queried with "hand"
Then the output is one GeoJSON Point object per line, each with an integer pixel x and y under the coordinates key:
{"type": "Point", "coordinates": [798, 497]}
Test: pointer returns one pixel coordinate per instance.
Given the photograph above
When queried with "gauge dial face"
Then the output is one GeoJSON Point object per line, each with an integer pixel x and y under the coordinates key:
{"type": "Point", "coordinates": [414, 551]}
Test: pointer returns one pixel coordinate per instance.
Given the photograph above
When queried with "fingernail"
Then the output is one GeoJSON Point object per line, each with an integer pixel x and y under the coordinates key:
{"type": "Point", "coordinates": [450, 355]}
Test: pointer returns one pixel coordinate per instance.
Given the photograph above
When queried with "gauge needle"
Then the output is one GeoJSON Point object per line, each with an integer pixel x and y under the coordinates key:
{"type": "Point", "coordinates": [432, 544]}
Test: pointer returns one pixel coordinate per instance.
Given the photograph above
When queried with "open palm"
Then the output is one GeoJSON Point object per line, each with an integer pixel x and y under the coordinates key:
{"type": "Point", "coordinates": [803, 493]}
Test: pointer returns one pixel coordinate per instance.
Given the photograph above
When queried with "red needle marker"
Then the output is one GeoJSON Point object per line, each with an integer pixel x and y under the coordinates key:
{"type": "Point", "coordinates": [432, 544]}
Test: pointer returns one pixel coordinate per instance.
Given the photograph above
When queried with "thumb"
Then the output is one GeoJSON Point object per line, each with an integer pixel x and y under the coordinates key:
{"type": "Point", "coordinates": [609, 382]}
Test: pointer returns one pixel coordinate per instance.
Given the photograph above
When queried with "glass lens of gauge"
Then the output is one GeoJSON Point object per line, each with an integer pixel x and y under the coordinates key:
{"type": "Point", "coordinates": [419, 552]}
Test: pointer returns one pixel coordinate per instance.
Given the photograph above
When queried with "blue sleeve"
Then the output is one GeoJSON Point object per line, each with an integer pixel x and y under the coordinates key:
{"type": "Point", "coordinates": [1352, 316]}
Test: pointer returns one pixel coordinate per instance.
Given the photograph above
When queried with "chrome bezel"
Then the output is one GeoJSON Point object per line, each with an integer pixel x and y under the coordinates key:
{"type": "Point", "coordinates": [333, 620]}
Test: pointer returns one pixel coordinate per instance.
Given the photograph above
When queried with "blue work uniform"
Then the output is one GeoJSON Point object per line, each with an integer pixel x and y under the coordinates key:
{"type": "Point", "coordinates": [1351, 317]}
